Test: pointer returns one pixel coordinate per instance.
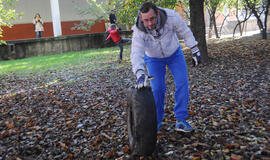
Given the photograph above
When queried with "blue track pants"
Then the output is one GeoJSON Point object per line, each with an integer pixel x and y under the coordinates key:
{"type": "Point", "coordinates": [157, 68]}
{"type": "Point", "coordinates": [120, 44]}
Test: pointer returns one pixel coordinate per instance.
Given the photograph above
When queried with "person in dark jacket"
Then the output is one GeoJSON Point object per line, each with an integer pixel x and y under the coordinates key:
{"type": "Point", "coordinates": [112, 17]}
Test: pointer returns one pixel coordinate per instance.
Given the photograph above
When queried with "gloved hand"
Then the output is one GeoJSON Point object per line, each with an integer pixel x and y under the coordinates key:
{"type": "Point", "coordinates": [196, 56]}
{"type": "Point", "coordinates": [141, 82]}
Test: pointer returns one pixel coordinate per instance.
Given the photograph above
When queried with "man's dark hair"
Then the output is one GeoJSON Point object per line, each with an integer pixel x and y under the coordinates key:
{"type": "Point", "coordinates": [146, 6]}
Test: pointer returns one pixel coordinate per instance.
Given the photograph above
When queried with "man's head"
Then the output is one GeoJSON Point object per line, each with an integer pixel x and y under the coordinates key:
{"type": "Point", "coordinates": [148, 15]}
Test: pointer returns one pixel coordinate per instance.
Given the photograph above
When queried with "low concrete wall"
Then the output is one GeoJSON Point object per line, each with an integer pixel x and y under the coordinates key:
{"type": "Point", "coordinates": [18, 49]}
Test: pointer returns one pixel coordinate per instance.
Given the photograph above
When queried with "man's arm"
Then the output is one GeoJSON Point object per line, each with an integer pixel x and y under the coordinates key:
{"type": "Point", "coordinates": [184, 31]}
{"type": "Point", "coordinates": [137, 54]}
{"type": "Point", "coordinates": [109, 36]}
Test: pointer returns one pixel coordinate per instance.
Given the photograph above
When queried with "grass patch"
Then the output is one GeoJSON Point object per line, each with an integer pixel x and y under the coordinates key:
{"type": "Point", "coordinates": [92, 58]}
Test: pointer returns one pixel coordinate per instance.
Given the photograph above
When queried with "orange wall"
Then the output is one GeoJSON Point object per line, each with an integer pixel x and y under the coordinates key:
{"type": "Point", "coordinates": [26, 31]}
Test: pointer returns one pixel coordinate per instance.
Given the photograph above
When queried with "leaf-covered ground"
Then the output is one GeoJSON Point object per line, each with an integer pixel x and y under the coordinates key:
{"type": "Point", "coordinates": [80, 113]}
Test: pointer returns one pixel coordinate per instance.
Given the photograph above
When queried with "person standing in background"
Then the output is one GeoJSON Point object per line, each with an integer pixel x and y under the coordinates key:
{"type": "Point", "coordinates": [38, 24]}
{"type": "Point", "coordinates": [112, 17]}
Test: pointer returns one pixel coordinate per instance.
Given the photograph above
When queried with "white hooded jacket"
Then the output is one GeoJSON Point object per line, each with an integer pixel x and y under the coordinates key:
{"type": "Point", "coordinates": [165, 45]}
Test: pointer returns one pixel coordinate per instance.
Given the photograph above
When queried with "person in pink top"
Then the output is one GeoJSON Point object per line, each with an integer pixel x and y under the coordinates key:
{"type": "Point", "coordinates": [116, 37]}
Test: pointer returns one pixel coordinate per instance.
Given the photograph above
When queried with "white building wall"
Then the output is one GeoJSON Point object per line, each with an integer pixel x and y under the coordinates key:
{"type": "Point", "coordinates": [67, 8]}
{"type": "Point", "coordinates": [30, 8]}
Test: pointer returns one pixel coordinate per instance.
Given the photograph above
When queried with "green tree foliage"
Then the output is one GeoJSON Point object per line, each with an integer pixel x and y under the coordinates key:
{"type": "Point", "coordinates": [96, 10]}
{"type": "Point", "coordinates": [7, 14]}
{"type": "Point", "coordinates": [127, 10]}
{"type": "Point", "coordinates": [186, 8]}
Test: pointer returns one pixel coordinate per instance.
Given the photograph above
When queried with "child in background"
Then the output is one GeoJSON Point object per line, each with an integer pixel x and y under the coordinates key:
{"type": "Point", "coordinates": [116, 37]}
{"type": "Point", "coordinates": [38, 23]}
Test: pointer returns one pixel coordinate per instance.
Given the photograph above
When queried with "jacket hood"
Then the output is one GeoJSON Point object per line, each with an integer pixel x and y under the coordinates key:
{"type": "Point", "coordinates": [163, 19]}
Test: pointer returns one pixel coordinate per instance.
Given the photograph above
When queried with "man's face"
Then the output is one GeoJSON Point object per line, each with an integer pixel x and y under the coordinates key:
{"type": "Point", "coordinates": [149, 19]}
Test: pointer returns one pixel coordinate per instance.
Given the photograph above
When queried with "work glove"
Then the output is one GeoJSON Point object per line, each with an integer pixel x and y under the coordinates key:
{"type": "Point", "coordinates": [196, 56]}
{"type": "Point", "coordinates": [141, 82]}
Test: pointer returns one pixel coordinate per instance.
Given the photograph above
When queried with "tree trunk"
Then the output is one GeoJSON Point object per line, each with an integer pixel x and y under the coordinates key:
{"type": "Point", "coordinates": [197, 24]}
{"type": "Point", "coordinates": [265, 18]}
{"type": "Point", "coordinates": [210, 25]}
{"type": "Point", "coordinates": [210, 32]}
{"type": "Point", "coordinates": [215, 27]}
{"type": "Point", "coordinates": [238, 20]}
{"type": "Point", "coordinates": [225, 17]}
{"type": "Point", "coordinates": [214, 9]}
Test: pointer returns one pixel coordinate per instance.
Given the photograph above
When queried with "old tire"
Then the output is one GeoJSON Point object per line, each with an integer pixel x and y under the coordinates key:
{"type": "Point", "coordinates": [142, 122]}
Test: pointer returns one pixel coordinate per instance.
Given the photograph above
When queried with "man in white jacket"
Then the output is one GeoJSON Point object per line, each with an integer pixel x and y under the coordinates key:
{"type": "Point", "coordinates": [155, 44]}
